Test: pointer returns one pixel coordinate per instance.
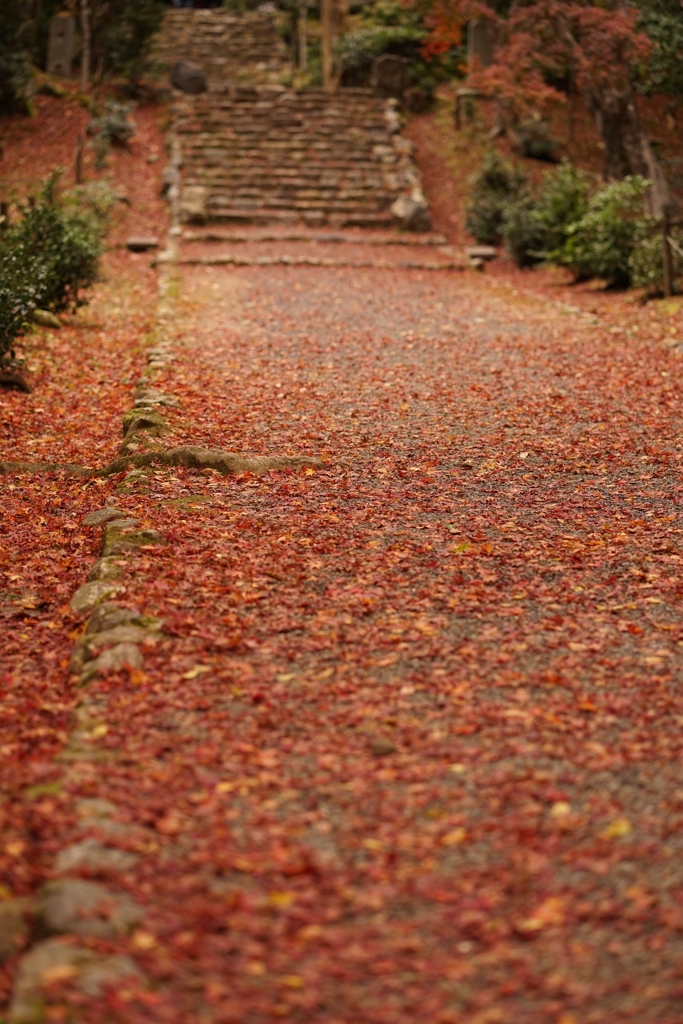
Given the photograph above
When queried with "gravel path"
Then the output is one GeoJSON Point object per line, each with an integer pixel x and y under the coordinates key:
{"type": "Point", "coordinates": [411, 750]}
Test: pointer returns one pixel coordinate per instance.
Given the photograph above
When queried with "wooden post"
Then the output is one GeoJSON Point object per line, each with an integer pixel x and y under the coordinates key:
{"type": "Point", "coordinates": [341, 18]}
{"type": "Point", "coordinates": [85, 52]}
{"type": "Point", "coordinates": [570, 104]}
{"type": "Point", "coordinates": [303, 35]}
{"type": "Point", "coordinates": [667, 263]}
{"type": "Point", "coordinates": [326, 14]}
{"type": "Point", "coordinates": [4, 215]}
{"type": "Point", "coordinates": [79, 159]}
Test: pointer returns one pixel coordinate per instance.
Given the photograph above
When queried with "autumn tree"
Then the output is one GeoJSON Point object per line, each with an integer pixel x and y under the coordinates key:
{"type": "Point", "coordinates": [544, 47]}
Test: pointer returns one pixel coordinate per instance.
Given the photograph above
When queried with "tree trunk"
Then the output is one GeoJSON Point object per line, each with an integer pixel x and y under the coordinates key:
{"type": "Point", "coordinates": [303, 35]}
{"type": "Point", "coordinates": [627, 149]}
{"type": "Point", "coordinates": [327, 16]}
{"type": "Point", "coordinates": [85, 52]}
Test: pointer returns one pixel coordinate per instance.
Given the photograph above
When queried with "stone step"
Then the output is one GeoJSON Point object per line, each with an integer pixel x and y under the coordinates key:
{"type": "Point", "coordinates": [315, 236]}
{"type": "Point", "coordinates": [235, 127]}
{"type": "Point", "coordinates": [262, 152]}
{"type": "Point", "coordinates": [304, 166]}
{"type": "Point", "coordinates": [304, 169]}
{"type": "Point", "coordinates": [244, 185]}
{"type": "Point", "coordinates": [227, 173]}
{"type": "Point", "coordinates": [351, 149]}
{"type": "Point", "coordinates": [328, 198]}
{"type": "Point", "coordinates": [350, 218]}
{"type": "Point", "coordinates": [227, 44]}
{"type": "Point", "coordinates": [222, 203]}
{"type": "Point", "coordinates": [229, 121]}
{"type": "Point", "coordinates": [285, 260]}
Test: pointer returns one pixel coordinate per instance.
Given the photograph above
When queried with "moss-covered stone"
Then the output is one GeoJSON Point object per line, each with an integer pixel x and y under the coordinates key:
{"type": "Point", "coordinates": [15, 918]}
{"type": "Point", "coordinates": [117, 540]}
{"type": "Point", "coordinates": [136, 420]}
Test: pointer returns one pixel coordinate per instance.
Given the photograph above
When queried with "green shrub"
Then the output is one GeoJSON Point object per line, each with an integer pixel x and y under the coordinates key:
{"type": "Point", "coordinates": [564, 201]}
{"type": "Point", "coordinates": [355, 51]}
{"type": "Point", "coordinates": [601, 242]}
{"type": "Point", "coordinates": [535, 224]}
{"type": "Point", "coordinates": [393, 12]}
{"type": "Point", "coordinates": [95, 199]}
{"type": "Point", "coordinates": [494, 187]}
{"type": "Point", "coordinates": [114, 126]}
{"type": "Point", "coordinates": [524, 234]}
{"type": "Point", "coordinates": [47, 260]}
{"type": "Point", "coordinates": [645, 262]}
{"type": "Point", "coordinates": [20, 289]}
{"type": "Point", "coordinates": [389, 26]}
{"type": "Point", "coordinates": [535, 140]}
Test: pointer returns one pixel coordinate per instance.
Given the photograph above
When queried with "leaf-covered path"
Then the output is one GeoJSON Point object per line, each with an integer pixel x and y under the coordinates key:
{"type": "Point", "coordinates": [411, 748]}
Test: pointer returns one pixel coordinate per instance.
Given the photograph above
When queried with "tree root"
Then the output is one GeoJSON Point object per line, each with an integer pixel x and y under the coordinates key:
{"type": "Point", "coordinates": [15, 382]}
{"type": "Point", "coordinates": [189, 455]}
{"type": "Point", "coordinates": [47, 467]}
{"type": "Point", "coordinates": [193, 457]}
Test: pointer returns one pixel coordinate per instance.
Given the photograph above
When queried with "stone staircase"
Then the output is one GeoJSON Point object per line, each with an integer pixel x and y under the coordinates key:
{"type": "Point", "coordinates": [259, 152]}
{"type": "Point", "coordinates": [230, 47]}
{"type": "Point", "coordinates": [264, 154]}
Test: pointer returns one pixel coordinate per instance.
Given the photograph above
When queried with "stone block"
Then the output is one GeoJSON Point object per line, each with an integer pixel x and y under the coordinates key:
{"type": "Point", "coordinates": [193, 202]}
{"type": "Point", "coordinates": [479, 44]}
{"type": "Point", "coordinates": [390, 75]}
{"type": "Point", "coordinates": [89, 855]}
{"type": "Point", "coordinates": [101, 516]}
{"type": "Point", "coordinates": [188, 77]}
{"type": "Point", "coordinates": [412, 214]}
{"type": "Point", "coordinates": [59, 960]}
{"type": "Point", "coordinates": [61, 45]}
{"type": "Point", "coordinates": [15, 917]}
{"type": "Point", "coordinates": [90, 595]}
{"type": "Point", "coordinates": [74, 906]}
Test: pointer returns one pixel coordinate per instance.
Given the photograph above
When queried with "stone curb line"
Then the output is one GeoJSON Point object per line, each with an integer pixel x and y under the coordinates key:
{"type": "Point", "coordinates": [312, 261]}
{"type": "Point", "coordinates": [322, 239]}
{"type": "Point", "coordinates": [70, 907]}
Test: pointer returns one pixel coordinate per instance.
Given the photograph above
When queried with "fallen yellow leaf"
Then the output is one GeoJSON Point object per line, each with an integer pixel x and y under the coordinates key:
{"type": "Point", "coordinates": [143, 940]}
{"type": "Point", "coordinates": [617, 829]}
{"type": "Point", "coordinates": [560, 809]}
{"type": "Point", "coordinates": [197, 671]}
{"type": "Point", "coordinates": [60, 972]}
{"type": "Point", "coordinates": [373, 844]}
{"type": "Point", "coordinates": [550, 912]}
{"type": "Point", "coordinates": [281, 900]}
{"type": "Point", "coordinates": [293, 981]}
{"type": "Point", "coordinates": [458, 835]}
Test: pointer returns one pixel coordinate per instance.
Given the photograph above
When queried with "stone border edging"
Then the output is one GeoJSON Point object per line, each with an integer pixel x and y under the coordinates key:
{"type": "Point", "coordinates": [70, 907]}
{"type": "Point", "coordinates": [313, 261]}
{"type": "Point", "coordinates": [321, 239]}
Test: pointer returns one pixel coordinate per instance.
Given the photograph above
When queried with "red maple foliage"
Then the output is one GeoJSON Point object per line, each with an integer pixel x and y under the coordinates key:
{"type": "Point", "coordinates": [546, 48]}
{"type": "Point", "coordinates": [409, 746]}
